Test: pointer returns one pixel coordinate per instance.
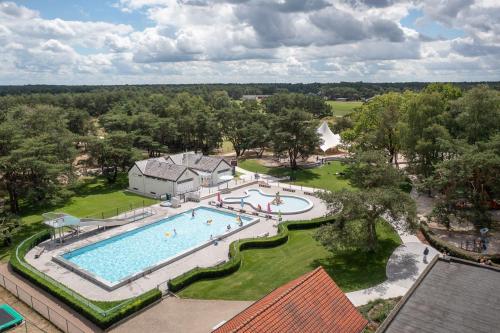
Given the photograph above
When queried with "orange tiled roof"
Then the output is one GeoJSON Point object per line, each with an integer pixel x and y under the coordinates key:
{"type": "Point", "coordinates": [310, 303]}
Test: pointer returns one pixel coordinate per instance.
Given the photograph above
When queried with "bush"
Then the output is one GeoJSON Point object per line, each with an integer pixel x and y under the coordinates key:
{"type": "Point", "coordinates": [454, 251]}
{"type": "Point", "coordinates": [231, 266]}
{"type": "Point", "coordinates": [406, 185]}
{"type": "Point", "coordinates": [77, 302]}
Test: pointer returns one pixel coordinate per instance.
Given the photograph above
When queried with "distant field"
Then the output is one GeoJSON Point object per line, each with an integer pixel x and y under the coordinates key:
{"type": "Point", "coordinates": [342, 108]}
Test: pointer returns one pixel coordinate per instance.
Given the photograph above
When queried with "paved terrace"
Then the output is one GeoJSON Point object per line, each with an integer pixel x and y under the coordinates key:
{"type": "Point", "coordinates": [206, 257]}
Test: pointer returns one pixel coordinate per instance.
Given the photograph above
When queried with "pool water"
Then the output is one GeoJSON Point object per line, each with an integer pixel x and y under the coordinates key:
{"type": "Point", "coordinates": [134, 251]}
{"type": "Point", "coordinates": [290, 203]}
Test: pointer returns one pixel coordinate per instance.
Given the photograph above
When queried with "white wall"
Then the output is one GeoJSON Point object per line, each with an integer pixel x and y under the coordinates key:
{"type": "Point", "coordinates": [216, 175]}
{"type": "Point", "coordinates": [148, 185]}
{"type": "Point", "coordinates": [135, 179]}
{"type": "Point", "coordinates": [194, 185]}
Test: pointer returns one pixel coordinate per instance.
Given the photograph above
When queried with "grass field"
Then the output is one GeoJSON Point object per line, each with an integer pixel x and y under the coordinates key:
{"type": "Point", "coordinates": [321, 177]}
{"type": "Point", "coordinates": [263, 270]}
{"type": "Point", "coordinates": [342, 108]}
{"type": "Point", "coordinates": [92, 197]}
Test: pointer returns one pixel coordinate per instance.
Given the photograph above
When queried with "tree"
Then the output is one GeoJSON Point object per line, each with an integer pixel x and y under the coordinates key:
{"type": "Point", "coordinates": [357, 213]}
{"type": "Point", "coordinates": [479, 114]}
{"type": "Point", "coordinates": [426, 139]}
{"type": "Point", "coordinates": [294, 132]}
{"type": "Point", "coordinates": [9, 225]}
{"type": "Point", "coordinates": [112, 153]}
{"type": "Point", "coordinates": [36, 154]}
{"type": "Point", "coordinates": [377, 125]}
{"type": "Point", "coordinates": [468, 183]}
{"type": "Point", "coordinates": [370, 169]}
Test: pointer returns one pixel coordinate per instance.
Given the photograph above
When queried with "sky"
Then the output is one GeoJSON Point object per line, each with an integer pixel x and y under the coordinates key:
{"type": "Point", "coordinates": [226, 41]}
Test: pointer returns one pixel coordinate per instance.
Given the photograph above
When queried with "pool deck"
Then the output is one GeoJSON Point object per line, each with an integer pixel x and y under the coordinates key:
{"type": "Point", "coordinates": [206, 257]}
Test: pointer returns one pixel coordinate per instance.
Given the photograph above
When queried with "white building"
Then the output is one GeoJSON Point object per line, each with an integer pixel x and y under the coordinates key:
{"type": "Point", "coordinates": [177, 174]}
{"type": "Point", "coordinates": [156, 177]}
{"type": "Point", "coordinates": [209, 168]}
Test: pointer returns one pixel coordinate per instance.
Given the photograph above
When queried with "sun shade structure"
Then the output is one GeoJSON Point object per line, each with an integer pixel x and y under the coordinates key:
{"type": "Point", "coordinates": [329, 140]}
{"type": "Point", "coordinates": [311, 303]}
{"type": "Point", "coordinates": [451, 296]}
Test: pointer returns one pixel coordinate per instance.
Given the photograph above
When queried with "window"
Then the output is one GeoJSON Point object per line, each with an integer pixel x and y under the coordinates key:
{"type": "Point", "coordinates": [185, 181]}
{"type": "Point", "coordinates": [135, 188]}
{"type": "Point", "coordinates": [224, 170]}
{"type": "Point", "coordinates": [153, 193]}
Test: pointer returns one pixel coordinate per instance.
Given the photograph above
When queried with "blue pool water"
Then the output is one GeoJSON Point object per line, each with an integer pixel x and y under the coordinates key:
{"type": "Point", "coordinates": [291, 204]}
{"type": "Point", "coordinates": [134, 251]}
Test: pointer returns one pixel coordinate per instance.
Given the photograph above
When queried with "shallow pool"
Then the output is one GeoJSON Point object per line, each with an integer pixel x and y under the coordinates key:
{"type": "Point", "coordinates": [121, 256]}
{"type": "Point", "coordinates": [290, 204]}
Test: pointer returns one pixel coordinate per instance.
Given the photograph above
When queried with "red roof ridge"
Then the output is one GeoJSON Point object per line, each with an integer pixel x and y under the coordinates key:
{"type": "Point", "coordinates": [301, 279]}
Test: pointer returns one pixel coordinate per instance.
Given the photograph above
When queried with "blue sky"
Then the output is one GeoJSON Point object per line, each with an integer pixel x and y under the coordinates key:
{"type": "Point", "coordinates": [192, 41]}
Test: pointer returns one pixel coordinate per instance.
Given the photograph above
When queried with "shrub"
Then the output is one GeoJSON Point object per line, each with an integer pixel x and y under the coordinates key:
{"type": "Point", "coordinates": [231, 266]}
{"type": "Point", "coordinates": [104, 318]}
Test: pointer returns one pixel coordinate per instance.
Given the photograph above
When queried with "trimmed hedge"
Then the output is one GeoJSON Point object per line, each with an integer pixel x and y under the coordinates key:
{"type": "Point", "coordinates": [235, 248]}
{"type": "Point", "coordinates": [454, 251]}
{"type": "Point", "coordinates": [103, 320]}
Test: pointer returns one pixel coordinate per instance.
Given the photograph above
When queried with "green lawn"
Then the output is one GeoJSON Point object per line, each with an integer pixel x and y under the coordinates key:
{"type": "Point", "coordinates": [92, 198]}
{"type": "Point", "coordinates": [263, 270]}
{"type": "Point", "coordinates": [342, 108]}
{"type": "Point", "coordinates": [321, 177]}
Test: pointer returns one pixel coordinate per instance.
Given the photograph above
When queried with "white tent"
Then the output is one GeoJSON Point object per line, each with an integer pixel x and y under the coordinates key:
{"type": "Point", "coordinates": [330, 140]}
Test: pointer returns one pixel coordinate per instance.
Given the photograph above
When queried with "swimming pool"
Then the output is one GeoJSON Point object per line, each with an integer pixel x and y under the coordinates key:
{"type": "Point", "coordinates": [115, 261]}
{"type": "Point", "coordinates": [290, 204]}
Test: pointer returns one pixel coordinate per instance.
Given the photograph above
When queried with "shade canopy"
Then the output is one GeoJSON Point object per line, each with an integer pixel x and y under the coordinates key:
{"type": "Point", "coordinates": [226, 177]}
{"type": "Point", "coordinates": [329, 140]}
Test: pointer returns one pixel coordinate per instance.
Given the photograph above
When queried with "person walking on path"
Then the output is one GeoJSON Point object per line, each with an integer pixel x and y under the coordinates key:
{"type": "Point", "coordinates": [426, 252]}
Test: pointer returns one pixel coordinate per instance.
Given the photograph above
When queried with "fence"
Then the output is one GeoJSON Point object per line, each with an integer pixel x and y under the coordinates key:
{"type": "Point", "coordinates": [118, 211]}
{"type": "Point", "coordinates": [39, 306]}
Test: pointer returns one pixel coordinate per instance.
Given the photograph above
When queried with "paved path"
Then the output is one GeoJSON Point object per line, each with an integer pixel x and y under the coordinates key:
{"type": "Point", "coordinates": [182, 315]}
{"type": "Point", "coordinates": [43, 298]}
{"type": "Point", "coordinates": [406, 262]}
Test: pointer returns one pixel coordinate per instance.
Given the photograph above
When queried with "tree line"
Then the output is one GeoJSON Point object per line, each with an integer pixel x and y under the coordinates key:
{"type": "Point", "coordinates": [447, 137]}
{"type": "Point", "coordinates": [41, 135]}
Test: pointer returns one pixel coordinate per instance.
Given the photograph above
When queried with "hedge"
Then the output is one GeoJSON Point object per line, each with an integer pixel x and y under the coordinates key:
{"type": "Point", "coordinates": [235, 248]}
{"type": "Point", "coordinates": [104, 318]}
{"type": "Point", "coordinates": [454, 251]}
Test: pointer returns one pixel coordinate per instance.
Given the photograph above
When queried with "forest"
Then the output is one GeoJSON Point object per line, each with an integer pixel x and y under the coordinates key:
{"type": "Point", "coordinates": [445, 134]}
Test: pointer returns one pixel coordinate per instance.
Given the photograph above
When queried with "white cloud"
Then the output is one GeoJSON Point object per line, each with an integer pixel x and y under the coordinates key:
{"type": "Point", "coordinates": [252, 41]}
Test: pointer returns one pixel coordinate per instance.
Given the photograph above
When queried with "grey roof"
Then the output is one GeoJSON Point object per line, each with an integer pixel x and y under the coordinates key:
{"type": "Point", "coordinates": [202, 162]}
{"type": "Point", "coordinates": [160, 168]}
{"type": "Point", "coordinates": [451, 297]}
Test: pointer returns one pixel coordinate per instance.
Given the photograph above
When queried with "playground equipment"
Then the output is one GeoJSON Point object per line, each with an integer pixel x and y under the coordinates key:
{"type": "Point", "coordinates": [277, 200]}
{"type": "Point", "coordinates": [60, 222]}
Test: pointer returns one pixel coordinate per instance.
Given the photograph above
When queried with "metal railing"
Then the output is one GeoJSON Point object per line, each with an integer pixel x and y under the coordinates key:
{"type": "Point", "coordinates": [39, 306]}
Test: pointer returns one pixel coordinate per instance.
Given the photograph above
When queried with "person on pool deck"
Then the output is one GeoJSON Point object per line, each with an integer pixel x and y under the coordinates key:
{"type": "Point", "coordinates": [228, 227]}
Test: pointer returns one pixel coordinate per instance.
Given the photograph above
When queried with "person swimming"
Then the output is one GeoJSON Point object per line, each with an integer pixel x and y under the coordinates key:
{"type": "Point", "coordinates": [209, 222]}
{"type": "Point", "coordinates": [192, 213]}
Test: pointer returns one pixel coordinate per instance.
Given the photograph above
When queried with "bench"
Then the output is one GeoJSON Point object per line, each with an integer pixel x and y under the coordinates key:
{"type": "Point", "coordinates": [263, 235]}
{"type": "Point", "coordinates": [288, 189]}
{"type": "Point", "coordinates": [39, 251]}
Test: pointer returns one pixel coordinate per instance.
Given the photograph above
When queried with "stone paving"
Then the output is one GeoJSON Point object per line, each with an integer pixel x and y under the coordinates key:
{"type": "Point", "coordinates": [206, 257]}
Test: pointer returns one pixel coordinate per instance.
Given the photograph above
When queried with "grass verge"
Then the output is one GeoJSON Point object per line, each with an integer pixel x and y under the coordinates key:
{"type": "Point", "coordinates": [254, 271]}
{"type": "Point", "coordinates": [325, 177]}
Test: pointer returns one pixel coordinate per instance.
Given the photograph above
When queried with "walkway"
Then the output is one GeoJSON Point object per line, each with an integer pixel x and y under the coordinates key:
{"type": "Point", "coordinates": [406, 262]}
{"type": "Point", "coordinates": [182, 315]}
{"type": "Point", "coordinates": [78, 322]}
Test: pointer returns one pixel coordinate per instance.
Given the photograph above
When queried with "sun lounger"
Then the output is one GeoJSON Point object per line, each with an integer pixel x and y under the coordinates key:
{"type": "Point", "coordinates": [39, 251]}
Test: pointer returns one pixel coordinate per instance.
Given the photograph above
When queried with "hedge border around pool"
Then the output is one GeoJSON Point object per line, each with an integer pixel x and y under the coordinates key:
{"type": "Point", "coordinates": [454, 251]}
{"type": "Point", "coordinates": [233, 264]}
{"type": "Point", "coordinates": [102, 320]}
